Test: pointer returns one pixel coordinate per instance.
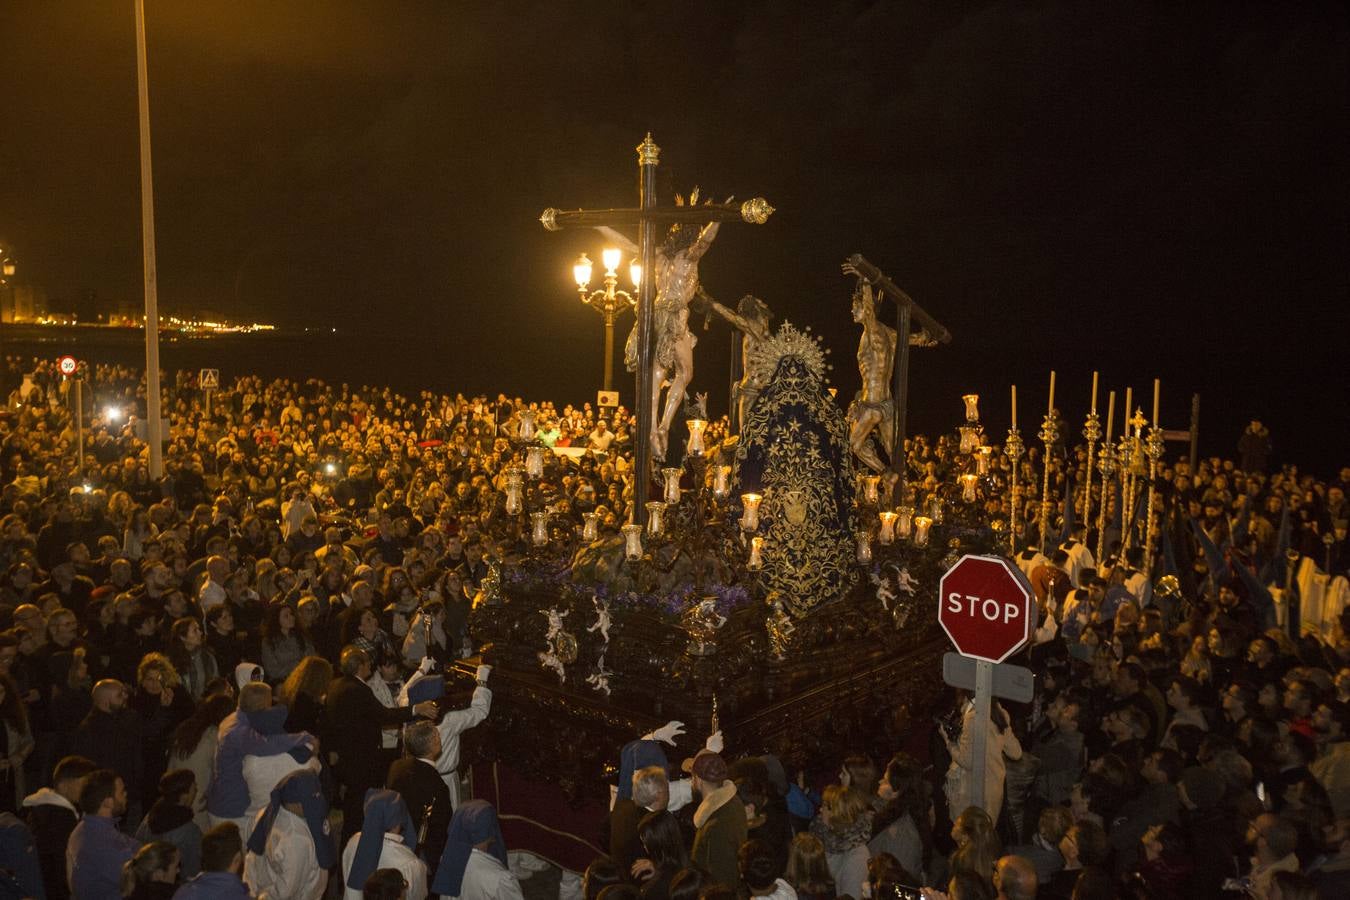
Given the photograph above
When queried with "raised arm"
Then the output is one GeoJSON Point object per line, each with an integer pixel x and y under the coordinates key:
{"type": "Point", "coordinates": [621, 239]}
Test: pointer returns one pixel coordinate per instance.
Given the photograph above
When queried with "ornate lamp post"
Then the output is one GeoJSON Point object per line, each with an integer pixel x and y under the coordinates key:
{"type": "Point", "coordinates": [609, 301]}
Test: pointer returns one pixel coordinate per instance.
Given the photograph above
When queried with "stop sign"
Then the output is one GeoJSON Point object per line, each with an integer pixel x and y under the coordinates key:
{"type": "Point", "coordinates": [986, 607]}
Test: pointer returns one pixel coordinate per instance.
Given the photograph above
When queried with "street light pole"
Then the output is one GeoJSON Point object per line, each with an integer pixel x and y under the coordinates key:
{"type": "Point", "coordinates": [153, 416]}
{"type": "Point", "coordinates": [609, 301]}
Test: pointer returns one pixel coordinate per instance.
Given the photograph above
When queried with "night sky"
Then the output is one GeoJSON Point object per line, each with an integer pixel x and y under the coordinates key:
{"type": "Point", "coordinates": [1148, 189]}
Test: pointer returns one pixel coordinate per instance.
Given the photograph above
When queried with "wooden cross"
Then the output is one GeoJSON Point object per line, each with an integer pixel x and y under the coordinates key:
{"type": "Point", "coordinates": [933, 332]}
{"type": "Point", "coordinates": [647, 216]}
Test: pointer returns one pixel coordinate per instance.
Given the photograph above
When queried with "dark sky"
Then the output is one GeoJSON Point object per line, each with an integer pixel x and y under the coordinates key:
{"type": "Point", "coordinates": [1151, 189]}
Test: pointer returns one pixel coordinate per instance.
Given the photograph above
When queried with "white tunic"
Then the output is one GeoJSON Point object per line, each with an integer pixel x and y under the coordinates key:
{"type": "Point", "coordinates": [395, 855]}
{"type": "Point", "coordinates": [485, 878]}
{"type": "Point", "coordinates": [287, 868]}
{"type": "Point", "coordinates": [262, 774]}
{"type": "Point", "coordinates": [450, 727]}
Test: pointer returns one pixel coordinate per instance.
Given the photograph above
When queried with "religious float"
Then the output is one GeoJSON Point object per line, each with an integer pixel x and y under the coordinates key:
{"type": "Point", "coordinates": [762, 587]}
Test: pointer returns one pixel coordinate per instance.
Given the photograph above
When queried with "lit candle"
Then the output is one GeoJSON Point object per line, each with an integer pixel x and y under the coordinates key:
{"type": "Point", "coordinates": [972, 402]}
{"type": "Point", "coordinates": [1014, 406]}
{"type": "Point", "coordinates": [526, 431]}
{"type": "Point", "coordinates": [1094, 391]}
{"type": "Point", "coordinates": [968, 481]}
{"type": "Point", "coordinates": [1110, 413]}
{"type": "Point", "coordinates": [921, 526]}
{"type": "Point", "coordinates": [1050, 408]}
{"type": "Point", "coordinates": [632, 540]}
{"type": "Point", "coordinates": [1157, 390]}
{"type": "Point", "coordinates": [870, 483]}
{"type": "Point", "coordinates": [590, 531]}
{"type": "Point", "coordinates": [982, 456]}
{"type": "Point", "coordinates": [756, 560]}
{"type": "Point", "coordinates": [696, 428]}
{"type": "Point", "coordinates": [750, 511]}
{"type": "Point", "coordinates": [887, 533]}
{"type": "Point", "coordinates": [935, 509]}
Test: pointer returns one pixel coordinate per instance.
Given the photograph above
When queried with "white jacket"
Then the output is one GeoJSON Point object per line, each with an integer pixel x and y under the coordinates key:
{"type": "Point", "coordinates": [395, 855]}
{"type": "Point", "coordinates": [960, 775]}
{"type": "Point", "coordinates": [287, 869]}
{"type": "Point", "coordinates": [450, 727]}
{"type": "Point", "coordinates": [485, 878]}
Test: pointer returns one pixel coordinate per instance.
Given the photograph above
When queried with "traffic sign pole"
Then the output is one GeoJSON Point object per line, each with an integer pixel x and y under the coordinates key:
{"type": "Point", "coordinates": [984, 690]}
{"type": "Point", "coordinates": [985, 605]}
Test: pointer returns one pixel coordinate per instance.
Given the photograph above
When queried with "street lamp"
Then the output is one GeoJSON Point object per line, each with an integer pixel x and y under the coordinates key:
{"type": "Point", "coordinates": [609, 301]}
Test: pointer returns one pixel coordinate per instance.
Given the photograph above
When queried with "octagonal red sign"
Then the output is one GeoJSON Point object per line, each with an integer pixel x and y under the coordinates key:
{"type": "Point", "coordinates": [986, 607]}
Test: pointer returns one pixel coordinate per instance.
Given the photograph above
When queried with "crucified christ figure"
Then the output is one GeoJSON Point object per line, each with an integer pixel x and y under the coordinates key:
{"type": "Point", "coordinates": [752, 318]}
{"type": "Point", "coordinates": [873, 409]}
{"type": "Point", "coordinates": [676, 284]}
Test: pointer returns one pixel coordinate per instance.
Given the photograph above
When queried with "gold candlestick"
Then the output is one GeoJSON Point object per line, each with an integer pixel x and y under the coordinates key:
{"type": "Point", "coordinates": [1049, 434]}
{"type": "Point", "coordinates": [1107, 466]}
{"type": "Point", "coordinates": [1155, 454]}
{"type": "Point", "coordinates": [1014, 449]}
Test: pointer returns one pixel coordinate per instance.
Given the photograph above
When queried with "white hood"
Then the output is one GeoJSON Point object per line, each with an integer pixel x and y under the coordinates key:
{"type": "Point", "coordinates": [48, 797]}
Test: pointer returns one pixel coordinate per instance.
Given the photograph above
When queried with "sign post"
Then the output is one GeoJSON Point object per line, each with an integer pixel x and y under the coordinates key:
{"type": "Point", "coordinates": [209, 380]}
{"type": "Point", "coordinates": [68, 366]}
{"type": "Point", "coordinates": [987, 609]}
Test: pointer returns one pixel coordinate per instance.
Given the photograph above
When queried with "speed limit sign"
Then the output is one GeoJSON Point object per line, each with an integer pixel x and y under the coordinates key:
{"type": "Point", "coordinates": [67, 365]}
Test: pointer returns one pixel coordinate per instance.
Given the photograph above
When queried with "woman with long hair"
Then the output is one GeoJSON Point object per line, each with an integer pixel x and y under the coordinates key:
{"type": "Point", "coordinates": [807, 869]}
{"type": "Point", "coordinates": [1000, 743]}
{"type": "Point", "coordinates": [195, 663]}
{"type": "Point", "coordinates": [904, 826]}
{"type": "Point", "coordinates": [152, 874]}
{"type": "Point", "coordinates": [844, 825]}
{"type": "Point", "coordinates": [16, 743]}
{"type": "Point", "coordinates": [977, 845]}
{"type": "Point", "coordinates": [284, 642]}
{"type": "Point", "coordinates": [303, 693]}
{"type": "Point", "coordinates": [139, 530]}
{"type": "Point", "coordinates": [194, 747]}
{"type": "Point", "coordinates": [70, 700]}
{"type": "Point", "coordinates": [663, 844]}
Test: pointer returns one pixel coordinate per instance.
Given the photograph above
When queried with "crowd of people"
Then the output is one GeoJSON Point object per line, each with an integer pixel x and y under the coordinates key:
{"type": "Point", "coordinates": [198, 673]}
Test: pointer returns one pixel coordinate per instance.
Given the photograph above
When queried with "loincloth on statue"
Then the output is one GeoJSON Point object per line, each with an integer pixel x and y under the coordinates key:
{"type": "Point", "coordinates": [859, 407]}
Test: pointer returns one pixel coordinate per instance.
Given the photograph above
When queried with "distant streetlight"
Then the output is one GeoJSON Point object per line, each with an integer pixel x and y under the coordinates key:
{"type": "Point", "coordinates": [113, 414]}
{"type": "Point", "coordinates": [608, 301]}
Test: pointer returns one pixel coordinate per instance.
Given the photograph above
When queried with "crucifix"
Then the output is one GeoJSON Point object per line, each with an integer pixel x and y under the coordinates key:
{"type": "Point", "coordinates": [669, 280]}
{"type": "Point", "coordinates": [889, 354]}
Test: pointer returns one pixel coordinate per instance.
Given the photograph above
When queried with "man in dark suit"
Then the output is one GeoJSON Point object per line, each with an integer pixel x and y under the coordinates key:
{"type": "Point", "coordinates": [423, 790]}
{"type": "Point", "coordinates": [355, 721]}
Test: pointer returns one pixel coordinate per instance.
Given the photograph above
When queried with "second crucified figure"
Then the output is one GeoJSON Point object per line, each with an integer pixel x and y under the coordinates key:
{"type": "Point", "coordinates": [676, 284]}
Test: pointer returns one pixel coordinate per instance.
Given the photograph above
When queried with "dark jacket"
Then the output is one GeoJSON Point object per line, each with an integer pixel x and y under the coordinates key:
{"type": "Point", "coordinates": [720, 820]}
{"type": "Point", "coordinates": [428, 800]}
{"type": "Point", "coordinates": [352, 705]}
{"type": "Point", "coordinates": [173, 823]}
{"type": "Point", "coordinates": [113, 741]}
{"type": "Point", "coordinates": [624, 846]}
{"type": "Point", "coordinates": [51, 819]}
